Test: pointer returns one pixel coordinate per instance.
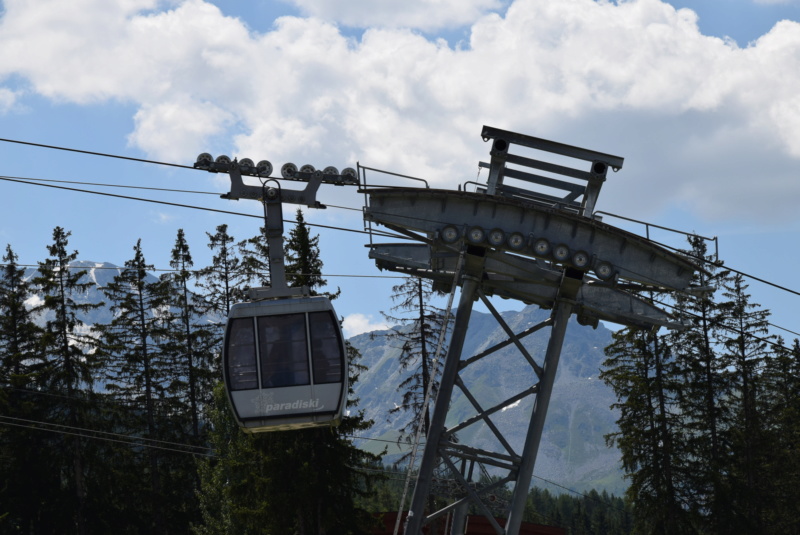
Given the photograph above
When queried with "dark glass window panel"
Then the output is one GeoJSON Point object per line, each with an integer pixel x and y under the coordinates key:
{"type": "Point", "coordinates": [326, 348]}
{"type": "Point", "coordinates": [242, 370]}
{"type": "Point", "coordinates": [284, 350]}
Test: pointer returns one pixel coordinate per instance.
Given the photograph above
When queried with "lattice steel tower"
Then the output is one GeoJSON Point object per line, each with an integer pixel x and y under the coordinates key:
{"type": "Point", "coordinates": [540, 246]}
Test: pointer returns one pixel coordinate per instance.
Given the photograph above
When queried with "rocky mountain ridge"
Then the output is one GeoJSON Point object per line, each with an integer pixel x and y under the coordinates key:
{"type": "Point", "coordinates": [573, 452]}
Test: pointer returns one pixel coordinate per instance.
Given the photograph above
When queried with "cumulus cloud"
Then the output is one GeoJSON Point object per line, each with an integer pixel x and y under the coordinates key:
{"type": "Point", "coordinates": [355, 324]}
{"type": "Point", "coordinates": [426, 15]}
{"type": "Point", "coordinates": [156, 130]}
{"type": "Point", "coordinates": [702, 123]}
{"type": "Point", "coordinates": [162, 217]}
{"type": "Point", "coordinates": [8, 99]}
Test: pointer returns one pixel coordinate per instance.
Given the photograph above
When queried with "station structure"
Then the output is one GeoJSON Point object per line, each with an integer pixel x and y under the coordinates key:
{"type": "Point", "coordinates": [539, 243]}
{"type": "Point", "coordinates": [529, 233]}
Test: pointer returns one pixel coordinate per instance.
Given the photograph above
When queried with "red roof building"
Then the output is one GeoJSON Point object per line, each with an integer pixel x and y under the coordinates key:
{"type": "Point", "coordinates": [476, 525]}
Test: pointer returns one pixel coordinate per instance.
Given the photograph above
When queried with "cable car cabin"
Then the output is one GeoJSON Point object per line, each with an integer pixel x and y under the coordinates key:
{"type": "Point", "coordinates": [285, 364]}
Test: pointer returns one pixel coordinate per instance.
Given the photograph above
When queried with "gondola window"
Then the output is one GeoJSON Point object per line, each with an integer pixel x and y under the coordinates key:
{"type": "Point", "coordinates": [284, 350]}
{"type": "Point", "coordinates": [325, 348]}
{"type": "Point", "coordinates": [242, 348]}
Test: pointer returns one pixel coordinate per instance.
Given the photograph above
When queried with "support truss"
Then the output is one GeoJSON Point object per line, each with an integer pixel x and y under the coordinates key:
{"type": "Point", "coordinates": [537, 248]}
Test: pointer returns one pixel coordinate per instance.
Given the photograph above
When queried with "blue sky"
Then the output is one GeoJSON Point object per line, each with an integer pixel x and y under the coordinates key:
{"type": "Point", "coordinates": [702, 98]}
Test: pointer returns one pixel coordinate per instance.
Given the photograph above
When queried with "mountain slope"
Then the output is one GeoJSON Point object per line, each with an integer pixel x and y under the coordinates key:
{"type": "Point", "coordinates": [573, 452]}
{"type": "Point", "coordinates": [100, 273]}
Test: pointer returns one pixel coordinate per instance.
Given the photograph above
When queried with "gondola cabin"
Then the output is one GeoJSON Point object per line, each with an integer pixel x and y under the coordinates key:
{"type": "Point", "coordinates": [285, 364]}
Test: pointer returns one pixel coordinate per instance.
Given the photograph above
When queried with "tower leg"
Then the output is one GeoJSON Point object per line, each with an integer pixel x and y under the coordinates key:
{"type": "Point", "coordinates": [415, 516]}
{"type": "Point", "coordinates": [561, 316]}
{"type": "Point", "coordinates": [460, 520]}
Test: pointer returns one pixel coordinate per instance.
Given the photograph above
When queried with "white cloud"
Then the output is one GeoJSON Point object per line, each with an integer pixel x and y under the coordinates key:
{"type": "Point", "coordinates": [163, 217]}
{"type": "Point", "coordinates": [426, 15]}
{"type": "Point", "coordinates": [701, 122]}
{"type": "Point", "coordinates": [360, 323]}
{"type": "Point", "coordinates": [8, 100]}
{"type": "Point", "coordinates": [164, 128]}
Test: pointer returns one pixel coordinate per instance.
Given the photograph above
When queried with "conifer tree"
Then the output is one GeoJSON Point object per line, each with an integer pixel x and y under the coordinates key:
{"type": "Point", "coordinates": [222, 284]}
{"type": "Point", "coordinates": [589, 513]}
{"type": "Point", "coordinates": [19, 334]}
{"type": "Point", "coordinates": [23, 467]}
{"type": "Point", "coordinates": [302, 258]}
{"type": "Point", "coordinates": [68, 346]}
{"type": "Point", "coordinates": [254, 254]}
{"type": "Point", "coordinates": [136, 371]}
{"type": "Point", "coordinates": [192, 341]}
{"type": "Point", "coordinates": [642, 372]}
{"type": "Point", "coordinates": [223, 280]}
{"type": "Point", "coordinates": [417, 337]}
{"type": "Point", "coordinates": [779, 411]}
{"type": "Point", "coordinates": [745, 345]}
{"type": "Point", "coordinates": [318, 475]}
{"type": "Point", "coordinates": [69, 350]}
{"type": "Point", "coordinates": [705, 389]}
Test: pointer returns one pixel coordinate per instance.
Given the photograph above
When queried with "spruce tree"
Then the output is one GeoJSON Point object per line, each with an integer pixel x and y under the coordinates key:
{"type": "Point", "coordinates": [136, 371]}
{"type": "Point", "coordinates": [779, 411]}
{"type": "Point", "coordinates": [192, 340]}
{"type": "Point", "coordinates": [417, 338]}
{"type": "Point", "coordinates": [232, 496]}
{"type": "Point", "coordinates": [642, 372]}
{"type": "Point", "coordinates": [724, 441]}
{"type": "Point", "coordinates": [69, 349]}
{"type": "Point", "coordinates": [68, 346]}
{"type": "Point", "coordinates": [19, 334]}
{"type": "Point", "coordinates": [746, 343]}
{"type": "Point", "coordinates": [254, 254]}
{"type": "Point", "coordinates": [323, 494]}
{"type": "Point", "coordinates": [590, 513]}
{"type": "Point", "coordinates": [25, 481]}
{"type": "Point", "coordinates": [222, 282]}
{"type": "Point", "coordinates": [704, 392]}
{"type": "Point", "coordinates": [302, 258]}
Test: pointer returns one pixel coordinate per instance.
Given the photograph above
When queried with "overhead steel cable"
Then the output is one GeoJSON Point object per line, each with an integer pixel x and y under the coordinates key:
{"type": "Point", "coordinates": [105, 435]}
{"type": "Point", "coordinates": [115, 156]}
{"type": "Point", "coordinates": [153, 444]}
{"type": "Point", "coordinates": [206, 269]}
{"type": "Point", "coordinates": [35, 181]}
{"type": "Point", "coordinates": [101, 400]}
{"type": "Point", "coordinates": [155, 162]}
{"type": "Point", "coordinates": [180, 205]}
{"type": "Point", "coordinates": [681, 311]}
{"type": "Point", "coordinates": [148, 188]}
{"type": "Point", "coordinates": [725, 267]}
{"type": "Point", "coordinates": [380, 233]}
{"type": "Point", "coordinates": [93, 153]}
{"type": "Point", "coordinates": [179, 447]}
{"type": "Point", "coordinates": [396, 442]}
{"type": "Point", "coordinates": [29, 179]}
